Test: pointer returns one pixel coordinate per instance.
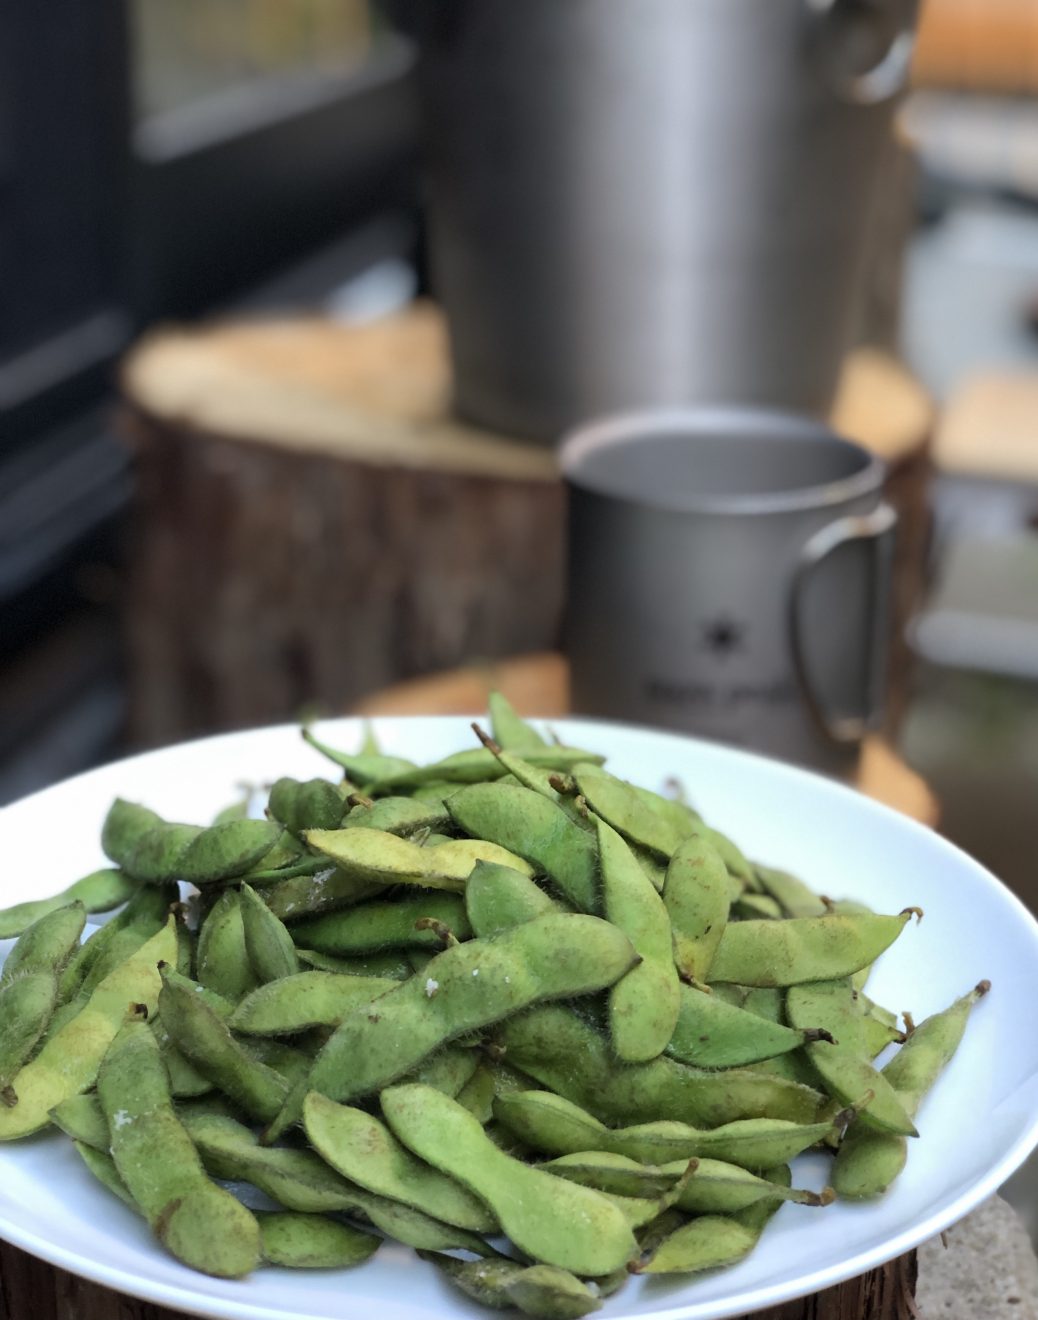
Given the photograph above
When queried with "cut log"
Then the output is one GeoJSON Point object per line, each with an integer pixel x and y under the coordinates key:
{"type": "Point", "coordinates": [311, 524]}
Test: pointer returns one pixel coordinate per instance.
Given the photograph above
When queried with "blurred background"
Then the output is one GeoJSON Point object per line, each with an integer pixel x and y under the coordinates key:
{"type": "Point", "coordinates": [214, 225]}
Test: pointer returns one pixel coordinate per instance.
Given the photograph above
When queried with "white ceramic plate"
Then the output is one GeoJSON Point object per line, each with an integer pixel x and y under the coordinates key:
{"type": "Point", "coordinates": [978, 1126]}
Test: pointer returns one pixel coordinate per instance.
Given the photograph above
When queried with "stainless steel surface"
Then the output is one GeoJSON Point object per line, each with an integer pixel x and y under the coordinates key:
{"type": "Point", "coordinates": [690, 531]}
{"type": "Point", "coordinates": [640, 202]}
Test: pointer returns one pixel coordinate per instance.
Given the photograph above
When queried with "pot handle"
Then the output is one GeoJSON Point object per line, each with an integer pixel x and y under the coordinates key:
{"type": "Point", "coordinates": [889, 75]}
{"type": "Point", "coordinates": [877, 528]}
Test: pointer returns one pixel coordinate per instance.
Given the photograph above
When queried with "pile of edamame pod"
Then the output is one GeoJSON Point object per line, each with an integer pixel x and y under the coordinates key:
{"type": "Point", "coordinates": [545, 1026]}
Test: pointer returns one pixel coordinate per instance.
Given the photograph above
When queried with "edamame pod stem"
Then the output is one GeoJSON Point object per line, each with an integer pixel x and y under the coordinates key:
{"type": "Point", "coordinates": [842, 1066]}
{"type": "Point", "coordinates": [466, 987]}
{"type": "Point", "coordinates": [68, 1062]}
{"type": "Point", "coordinates": [98, 892]}
{"type": "Point", "coordinates": [547, 1122]}
{"type": "Point", "coordinates": [200, 1223]}
{"type": "Point", "coordinates": [563, 1052]}
{"type": "Point", "coordinates": [536, 829]}
{"type": "Point", "coordinates": [555, 1222]}
{"type": "Point", "coordinates": [867, 1162]}
{"type": "Point", "coordinates": [643, 1005]}
{"type": "Point", "coordinates": [802, 949]}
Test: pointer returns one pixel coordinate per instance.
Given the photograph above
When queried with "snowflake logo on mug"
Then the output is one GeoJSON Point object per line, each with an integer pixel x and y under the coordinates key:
{"type": "Point", "coordinates": [723, 636]}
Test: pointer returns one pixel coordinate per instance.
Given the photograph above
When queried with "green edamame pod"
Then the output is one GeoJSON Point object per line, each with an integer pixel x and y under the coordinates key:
{"type": "Point", "coordinates": [156, 857]}
{"type": "Point", "coordinates": [696, 894]}
{"type": "Point", "coordinates": [98, 892]}
{"type": "Point", "coordinates": [498, 898]}
{"type": "Point", "coordinates": [46, 945]}
{"type": "Point", "coordinates": [312, 1242]}
{"type": "Point", "coordinates": [843, 1066]}
{"type": "Point", "coordinates": [102, 1166]}
{"type": "Point", "coordinates": [364, 767]}
{"type": "Point", "coordinates": [802, 949]}
{"type": "Point", "coordinates": [26, 1007]}
{"type": "Point", "coordinates": [320, 888]}
{"type": "Point", "coordinates": [396, 815]}
{"type": "Point", "coordinates": [756, 907]}
{"type": "Point", "coordinates": [224, 852]}
{"type": "Point", "coordinates": [300, 1180]}
{"type": "Point", "coordinates": [477, 1095]}
{"type": "Point", "coordinates": [555, 1222]}
{"type": "Point", "coordinates": [200, 1223]}
{"type": "Point", "coordinates": [465, 987]}
{"type": "Point", "coordinates": [867, 1162]}
{"type": "Point", "coordinates": [384, 924]}
{"type": "Point", "coordinates": [69, 1060]}
{"type": "Point", "coordinates": [124, 827]}
{"type": "Point", "coordinates": [548, 783]}
{"type": "Point", "coordinates": [306, 999]}
{"type": "Point", "coordinates": [222, 956]}
{"type": "Point", "coordinates": [118, 939]}
{"type": "Point", "coordinates": [628, 813]}
{"type": "Point", "coordinates": [538, 1290]}
{"type": "Point", "coordinates": [364, 1151]}
{"type": "Point", "coordinates": [202, 1035]}
{"type": "Point", "coordinates": [312, 805]}
{"type": "Point", "coordinates": [549, 1123]}
{"type": "Point", "coordinates": [479, 765]}
{"type": "Point", "coordinates": [271, 952]}
{"type": "Point", "coordinates": [386, 859]}
{"type": "Point", "coordinates": [82, 1118]}
{"type": "Point", "coordinates": [643, 1004]}
{"type": "Point", "coordinates": [391, 966]}
{"type": "Point", "coordinates": [714, 1187]}
{"type": "Point", "coordinates": [791, 894]}
{"type": "Point", "coordinates": [733, 857]}
{"type": "Point", "coordinates": [448, 1070]}
{"type": "Point", "coordinates": [561, 1051]}
{"type": "Point", "coordinates": [509, 730]}
{"type": "Point", "coordinates": [536, 829]}
{"type": "Point", "coordinates": [710, 1033]}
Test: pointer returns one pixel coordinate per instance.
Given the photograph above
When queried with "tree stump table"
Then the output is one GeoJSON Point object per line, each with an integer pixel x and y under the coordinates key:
{"type": "Point", "coordinates": [313, 524]}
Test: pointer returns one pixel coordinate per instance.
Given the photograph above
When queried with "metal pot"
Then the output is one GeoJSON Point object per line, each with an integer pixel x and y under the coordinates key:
{"type": "Point", "coordinates": [652, 201]}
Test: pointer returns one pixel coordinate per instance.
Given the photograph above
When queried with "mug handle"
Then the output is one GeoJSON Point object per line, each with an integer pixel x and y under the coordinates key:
{"type": "Point", "coordinates": [876, 527]}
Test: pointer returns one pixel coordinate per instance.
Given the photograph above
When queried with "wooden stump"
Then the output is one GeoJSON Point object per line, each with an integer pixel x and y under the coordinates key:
{"type": "Point", "coordinates": [32, 1290]}
{"type": "Point", "coordinates": [312, 524]}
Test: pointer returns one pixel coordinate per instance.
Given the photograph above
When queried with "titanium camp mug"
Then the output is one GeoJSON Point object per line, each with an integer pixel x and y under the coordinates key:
{"type": "Point", "coordinates": [729, 576]}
